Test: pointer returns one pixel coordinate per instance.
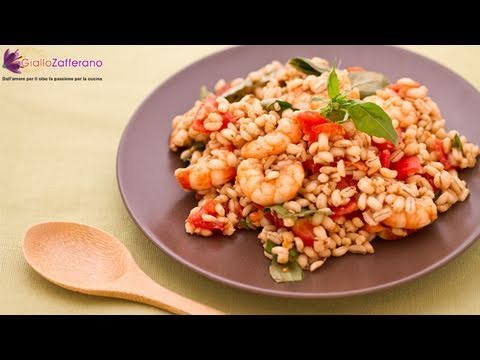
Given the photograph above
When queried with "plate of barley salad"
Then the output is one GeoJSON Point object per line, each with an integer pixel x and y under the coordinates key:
{"type": "Point", "coordinates": [306, 171]}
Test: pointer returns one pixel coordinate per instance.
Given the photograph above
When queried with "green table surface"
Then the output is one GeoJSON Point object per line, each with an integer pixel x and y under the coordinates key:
{"type": "Point", "coordinates": [58, 144]}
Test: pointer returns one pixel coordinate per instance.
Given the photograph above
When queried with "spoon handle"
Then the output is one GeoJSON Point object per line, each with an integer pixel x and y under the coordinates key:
{"type": "Point", "coordinates": [139, 287]}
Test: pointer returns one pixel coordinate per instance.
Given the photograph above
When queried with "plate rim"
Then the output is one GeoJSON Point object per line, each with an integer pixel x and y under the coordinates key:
{"type": "Point", "coordinates": [252, 288]}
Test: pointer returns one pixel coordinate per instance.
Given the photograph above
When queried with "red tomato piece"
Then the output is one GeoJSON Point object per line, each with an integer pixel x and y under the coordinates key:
{"type": "Point", "coordinates": [310, 167]}
{"type": "Point", "coordinates": [307, 120]}
{"type": "Point", "coordinates": [385, 158]}
{"type": "Point", "coordinates": [303, 228]}
{"type": "Point", "coordinates": [198, 126]}
{"type": "Point", "coordinates": [197, 221]}
{"type": "Point", "coordinates": [443, 157]}
{"type": "Point", "coordinates": [210, 105]}
{"type": "Point", "coordinates": [406, 167]}
{"type": "Point", "coordinates": [346, 209]}
{"type": "Point", "coordinates": [227, 117]}
{"type": "Point", "coordinates": [328, 128]}
{"type": "Point", "coordinates": [387, 145]}
{"type": "Point", "coordinates": [430, 181]}
{"type": "Point", "coordinates": [274, 219]}
{"type": "Point", "coordinates": [183, 179]}
{"type": "Point", "coordinates": [346, 182]}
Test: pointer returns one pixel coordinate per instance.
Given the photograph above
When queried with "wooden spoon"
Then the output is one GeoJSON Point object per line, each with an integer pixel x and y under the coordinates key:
{"type": "Point", "coordinates": [85, 259]}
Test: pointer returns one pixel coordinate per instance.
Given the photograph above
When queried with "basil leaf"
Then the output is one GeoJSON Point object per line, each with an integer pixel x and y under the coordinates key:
{"type": "Point", "coordinates": [203, 92]}
{"type": "Point", "coordinates": [367, 82]}
{"type": "Point", "coordinates": [293, 254]}
{"type": "Point", "coordinates": [245, 87]}
{"type": "Point", "coordinates": [281, 211]}
{"type": "Point", "coordinates": [372, 120]}
{"type": "Point", "coordinates": [333, 84]}
{"type": "Point", "coordinates": [293, 272]}
{"type": "Point", "coordinates": [269, 246]}
{"type": "Point", "coordinates": [197, 145]}
{"type": "Point", "coordinates": [285, 214]}
{"type": "Point", "coordinates": [246, 224]}
{"type": "Point", "coordinates": [237, 92]}
{"type": "Point", "coordinates": [306, 66]}
{"type": "Point", "coordinates": [457, 143]}
{"type": "Point", "coordinates": [337, 116]}
{"type": "Point", "coordinates": [276, 105]}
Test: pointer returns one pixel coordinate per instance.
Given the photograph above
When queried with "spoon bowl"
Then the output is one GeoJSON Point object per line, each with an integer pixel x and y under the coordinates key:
{"type": "Point", "coordinates": [85, 259]}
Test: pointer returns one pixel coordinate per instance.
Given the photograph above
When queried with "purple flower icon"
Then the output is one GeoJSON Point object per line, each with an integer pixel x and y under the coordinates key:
{"type": "Point", "coordinates": [11, 61]}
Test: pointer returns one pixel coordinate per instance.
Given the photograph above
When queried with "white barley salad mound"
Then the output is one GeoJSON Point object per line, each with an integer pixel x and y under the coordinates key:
{"type": "Point", "coordinates": [320, 161]}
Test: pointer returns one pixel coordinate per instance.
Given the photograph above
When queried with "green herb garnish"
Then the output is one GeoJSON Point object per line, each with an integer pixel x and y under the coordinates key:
{"type": "Point", "coordinates": [204, 92]}
{"type": "Point", "coordinates": [333, 84]}
{"type": "Point", "coordinates": [367, 116]}
{"type": "Point", "coordinates": [285, 214]}
{"type": "Point", "coordinates": [269, 245]}
{"type": "Point", "coordinates": [276, 105]}
{"type": "Point", "coordinates": [457, 143]}
{"type": "Point", "coordinates": [367, 82]}
{"type": "Point", "coordinates": [245, 87]}
{"type": "Point", "coordinates": [293, 254]}
{"type": "Point", "coordinates": [197, 146]}
{"type": "Point", "coordinates": [285, 272]}
{"type": "Point", "coordinates": [246, 224]}
{"type": "Point", "coordinates": [306, 66]}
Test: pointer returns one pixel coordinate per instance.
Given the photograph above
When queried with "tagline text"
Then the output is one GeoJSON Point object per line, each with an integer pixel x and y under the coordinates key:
{"type": "Point", "coordinates": [50, 78]}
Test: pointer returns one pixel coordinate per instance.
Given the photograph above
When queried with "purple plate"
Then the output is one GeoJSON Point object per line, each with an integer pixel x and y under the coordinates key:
{"type": "Point", "coordinates": [159, 207]}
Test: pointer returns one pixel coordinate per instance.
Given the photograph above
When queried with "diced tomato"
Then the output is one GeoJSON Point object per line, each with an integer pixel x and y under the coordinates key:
{"type": "Point", "coordinates": [197, 221]}
{"type": "Point", "coordinates": [198, 126]}
{"type": "Point", "coordinates": [303, 228]}
{"type": "Point", "coordinates": [256, 215]}
{"type": "Point", "coordinates": [227, 117]}
{"type": "Point", "coordinates": [360, 165]}
{"type": "Point", "coordinates": [238, 209]}
{"type": "Point", "coordinates": [210, 105]}
{"type": "Point", "coordinates": [387, 145]}
{"type": "Point", "coordinates": [328, 128]}
{"type": "Point", "coordinates": [346, 182]}
{"type": "Point", "coordinates": [430, 181]}
{"type": "Point", "coordinates": [274, 219]}
{"type": "Point", "coordinates": [443, 157]}
{"type": "Point", "coordinates": [406, 167]}
{"type": "Point", "coordinates": [385, 158]}
{"type": "Point", "coordinates": [258, 206]}
{"type": "Point", "coordinates": [183, 179]}
{"type": "Point", "coordinates": [346, 209]}
{"type": "Point", "coordinates": [210, 207]}
{"type": "Point", "coordinates": [307, 120]}
{"type": "Point", "coordinates": [310, 167]}
{"type": "Point", "coordinates": [355, 69]}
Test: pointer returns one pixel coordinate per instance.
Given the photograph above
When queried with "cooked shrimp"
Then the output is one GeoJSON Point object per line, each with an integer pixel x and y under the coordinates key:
{"type": "Point", "coordinates": [424, 213]}
{"type": "Point", "coordinates": [281, 185]}
{"type": "Point", "coordinates": [205, 174]}
{"type": "Point", "coordinates": [274, 143]}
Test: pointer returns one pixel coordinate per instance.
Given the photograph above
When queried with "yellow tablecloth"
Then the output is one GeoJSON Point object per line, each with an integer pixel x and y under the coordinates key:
{"type": "Point", "coordinates": [58, 143]}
